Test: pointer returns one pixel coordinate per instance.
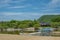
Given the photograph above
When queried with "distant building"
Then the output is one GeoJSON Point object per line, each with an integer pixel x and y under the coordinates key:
{"type": "Point", "coordinates": [45, 24]}
{"type": "Point", "coordinates": [30, 29]}
{"type": "Point", "coordinates": [12, 29]}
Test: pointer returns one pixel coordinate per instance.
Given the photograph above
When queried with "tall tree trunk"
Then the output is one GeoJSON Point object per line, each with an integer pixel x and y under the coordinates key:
{"type": "Point", "coordinates": [1, 29]}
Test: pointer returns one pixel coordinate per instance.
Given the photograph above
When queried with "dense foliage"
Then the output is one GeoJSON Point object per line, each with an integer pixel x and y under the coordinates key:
{"type": "Point", "coordinates": [54, 21]}
{"type": "Point", "coordinates": [19, 24]}
{"type": "Point", "coordinates": [49, 18]}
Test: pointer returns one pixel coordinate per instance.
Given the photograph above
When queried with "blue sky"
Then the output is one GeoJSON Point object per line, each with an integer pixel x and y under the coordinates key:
{"type": "Point", "coordinates": [28, 9]}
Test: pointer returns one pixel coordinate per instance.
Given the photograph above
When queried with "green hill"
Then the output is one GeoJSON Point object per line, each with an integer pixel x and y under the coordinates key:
{"type": "Point", "coordinates": [47, 18]}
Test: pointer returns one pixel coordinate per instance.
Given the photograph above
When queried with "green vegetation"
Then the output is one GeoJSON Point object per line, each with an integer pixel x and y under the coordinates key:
{"type": "Point", "coordinates": [49, 18]}
{"type": "Point", "coordinates": [18, 24]}
{"type": "Point", "coordinates": [54, 21]}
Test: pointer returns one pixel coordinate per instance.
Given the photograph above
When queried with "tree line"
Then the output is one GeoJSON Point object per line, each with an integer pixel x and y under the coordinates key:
{"type": "Point", "coordinates": [19, 24]}
{"type": "Point", "coordinates": [27, 23]}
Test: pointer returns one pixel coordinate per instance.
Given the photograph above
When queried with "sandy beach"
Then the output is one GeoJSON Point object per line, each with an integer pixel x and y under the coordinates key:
{"type": "Point", "coordinates": [20, 37]}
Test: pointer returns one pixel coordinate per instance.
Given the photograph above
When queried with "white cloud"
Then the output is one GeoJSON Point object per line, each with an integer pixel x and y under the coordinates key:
{"type": "Point", "coordinates": [5, 3]}
{"type": "Point", "coordinates": [51, 13]}
{"type": "Point", "coordinates": [26, 14]}
{"type": "Point", "coordinates": [17, 7]}
{"type": "Point", "coordinates": [20, 6]}
{"type": "Point", "coordinates": [54, 4]}
{"type": "Point", "coordinates": [11, 14]}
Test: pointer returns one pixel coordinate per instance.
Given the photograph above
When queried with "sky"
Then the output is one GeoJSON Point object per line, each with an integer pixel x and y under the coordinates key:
{"type": "Point", "coordinates": [27, 9]}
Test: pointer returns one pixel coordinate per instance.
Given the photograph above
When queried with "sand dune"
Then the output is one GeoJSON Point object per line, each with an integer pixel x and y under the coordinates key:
{"type": "Point", "coordinates": [20, 37]}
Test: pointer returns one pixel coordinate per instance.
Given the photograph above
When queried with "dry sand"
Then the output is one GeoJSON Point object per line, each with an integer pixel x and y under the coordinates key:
{"type": "Point", "coordinates": [20, 37]}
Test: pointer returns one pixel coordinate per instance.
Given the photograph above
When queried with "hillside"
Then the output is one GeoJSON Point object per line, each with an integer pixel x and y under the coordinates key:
{"type": "Point", "coordinates": [47, 18]}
